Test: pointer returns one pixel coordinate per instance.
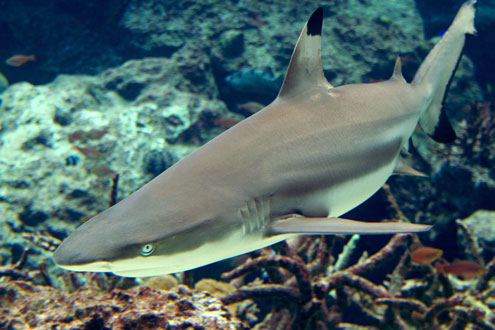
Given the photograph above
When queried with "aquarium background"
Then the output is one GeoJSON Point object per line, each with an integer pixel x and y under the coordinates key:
{"type": "Point", "coordinates": [120, 90]}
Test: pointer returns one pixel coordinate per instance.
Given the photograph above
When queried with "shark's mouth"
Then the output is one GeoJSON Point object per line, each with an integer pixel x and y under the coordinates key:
{"type": "Point", "coordinates": [147, 272]}
{"type": "Point", "coordinates": [100, 266]}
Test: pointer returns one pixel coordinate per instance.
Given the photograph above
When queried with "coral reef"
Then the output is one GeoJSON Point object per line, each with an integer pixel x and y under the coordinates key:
{"type": "Point", "coordinates": [63, 142]}
{"type": "Point", "coordinates": [310, 283]}
{"type": "Point", "coordinates": [382, 291]}
{"type": "Point", "coordinates": [24, 306]}
{"type": "Point", "coordinates": [158, 89]}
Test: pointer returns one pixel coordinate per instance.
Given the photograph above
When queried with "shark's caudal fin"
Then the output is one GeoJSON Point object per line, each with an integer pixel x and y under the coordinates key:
{"type": "Point", "coordinates": [305, 70]}
{"type": "Point", "coordinates": [437, 70]}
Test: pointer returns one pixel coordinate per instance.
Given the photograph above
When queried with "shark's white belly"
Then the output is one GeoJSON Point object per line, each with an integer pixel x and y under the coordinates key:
{"type": "Point", "coordinates": [343, 197]}
{"type": "Point", "coordinates": [236, 243]}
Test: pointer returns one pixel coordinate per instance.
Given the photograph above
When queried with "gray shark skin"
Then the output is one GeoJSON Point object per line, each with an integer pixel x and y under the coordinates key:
{"type": "Point", "coordinates": [314, 153]}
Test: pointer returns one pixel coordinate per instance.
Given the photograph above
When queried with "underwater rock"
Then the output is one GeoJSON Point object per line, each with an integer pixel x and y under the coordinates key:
{"type": "Point", "coordinates": [62, 117]}
{"type": "Point", "coordinates": [32, 217]}
{"type": "Point", "coordinates": [133, 76]}
{"type": "Point", "coordinates": [26, 306]}
{"type": "Point", "coordinates": [163, 282]}
{"type": "Point", "coordinates": [156, 161]}
{"type": "Point", "coordinates": [168, 112]}
{"type": "Point", "coordinates": [216, 288]}
{"type": "Point", "coordinates": [76, 132]}
{"type": "Point", "coordinates": [144, 21]}
{"type": "Point", "coordinates": [481, 225]}
{"type": "Point", "coordinates": [231, 43]}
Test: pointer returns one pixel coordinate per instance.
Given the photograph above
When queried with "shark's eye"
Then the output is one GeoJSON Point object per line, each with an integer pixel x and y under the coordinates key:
{"type": "Point", "coordinates": [147, 249]}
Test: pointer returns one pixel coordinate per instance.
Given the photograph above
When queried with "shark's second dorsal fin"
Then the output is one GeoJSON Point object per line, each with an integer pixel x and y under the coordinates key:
{"type": "Point", "coordinates": [397, 75]}
{"type": "Point", "coordinates": [305, 70]}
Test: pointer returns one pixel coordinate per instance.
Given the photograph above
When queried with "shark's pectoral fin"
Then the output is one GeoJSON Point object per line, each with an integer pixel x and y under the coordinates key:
{"type": "Point", "coordinates": [297, 224]}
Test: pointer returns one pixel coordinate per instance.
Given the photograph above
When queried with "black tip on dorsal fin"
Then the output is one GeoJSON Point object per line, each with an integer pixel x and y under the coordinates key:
{"type": "Point", "coordinates": [397, 75]}
{"type": "Point", "coordinates": [315, 22]}
{"type": "Point", "coordinates": [305, 71]}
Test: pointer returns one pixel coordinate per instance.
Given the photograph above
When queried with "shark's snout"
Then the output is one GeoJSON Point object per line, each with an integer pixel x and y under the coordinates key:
{"type": "Point", "coordinates": [60, 256]}
{"type": "Point", "coordinates": [88, 248]}
{"type": "Point", "coordinates": [70, 256]}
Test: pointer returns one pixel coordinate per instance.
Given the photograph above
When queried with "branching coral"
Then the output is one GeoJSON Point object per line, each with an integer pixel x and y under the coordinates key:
{"type": "Point", "coordinates": [413, 297]}
{"type": "Point", "coordinates": [320, 301]}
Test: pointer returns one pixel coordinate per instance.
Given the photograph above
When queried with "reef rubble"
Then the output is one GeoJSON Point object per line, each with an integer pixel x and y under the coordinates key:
{"type": "Point", "coordinates": [27, 306]}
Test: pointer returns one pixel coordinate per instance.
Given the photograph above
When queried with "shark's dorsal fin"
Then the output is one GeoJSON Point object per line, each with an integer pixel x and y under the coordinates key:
{"type": "Point", "coordinates": [305, 70]}
{"type": "Point", "coordinates": [397, 75]}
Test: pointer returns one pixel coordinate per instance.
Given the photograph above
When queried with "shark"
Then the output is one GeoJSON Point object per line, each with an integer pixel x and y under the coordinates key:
{"type": "Point", "coordinates": [293, 168]}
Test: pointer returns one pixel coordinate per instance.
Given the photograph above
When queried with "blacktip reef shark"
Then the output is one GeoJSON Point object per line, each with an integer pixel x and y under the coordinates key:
{"type": "Point", "coordinates": [295, 167]}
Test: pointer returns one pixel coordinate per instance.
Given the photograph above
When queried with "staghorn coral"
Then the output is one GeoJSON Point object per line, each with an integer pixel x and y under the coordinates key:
{"type": "Point", "coordinates": [477, 140]}
{"type": "Point", "coordinates": [311, 286]}
{"type": "Point", "coordinates": [413, 297]}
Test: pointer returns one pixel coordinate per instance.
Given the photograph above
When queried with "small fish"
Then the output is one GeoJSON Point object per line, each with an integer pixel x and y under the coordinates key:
{"type": "Point", "coordinates": [96, 134]}
{"type": "Point", "coordinates": [250, 107]}
{"type": "Point", "coordinates": [102, 171]}
{"type": "Point", "coordinates": [18, 60]}
{"type": "Point", "coordinates": [4, 83]}
{"type": "Point", "coordinates": [93, 134]}
{"type": "Point", "coordinates": [90, 152]}
{"type": "Point", "coordinates": [77, 135]}
{"type": "Point", "coordinates": [465, 268]}
{"type": "Point", "coordinates": [374, 80]}
{"type": "Point", "coordinates": [225, 122]}
{"type": "Point", "coordinates": [425, 255]}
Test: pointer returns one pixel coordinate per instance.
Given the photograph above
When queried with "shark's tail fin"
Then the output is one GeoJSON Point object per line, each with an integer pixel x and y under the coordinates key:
{"type": "Point", "coordinates": [437, 70]}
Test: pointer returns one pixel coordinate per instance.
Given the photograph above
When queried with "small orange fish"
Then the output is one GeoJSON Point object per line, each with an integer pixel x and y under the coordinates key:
{"type": "Point", "coordinates": [90, 152]}
{"type": "Point", "coordinates": [96, 134]}
{"type": "Point", "coordinates": [18, 60]}
{"type": "Point", "coordinates": [250, 107]}
{"type": "Point", "coordinates": [77, 135]}
{"type": "Point", "coordinates": [93, 134]}
{"type": "Point", "coordinates": [425, 255]}
{"type": "Point", "coordinates": [465, 268]}
{"type": "Point", "coordinates": [374, 80]}
{"type": "Point", "coordinates": [102, 171]}
{"type": "Point", "coordinates": [225, 122]}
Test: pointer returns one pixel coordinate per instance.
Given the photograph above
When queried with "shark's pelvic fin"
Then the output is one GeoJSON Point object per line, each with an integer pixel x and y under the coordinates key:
{"type": "Point", "coordinates": [437, 69]}
{"type": "Point", "coordinates": [397, 75]}
{"type": "Point", "coordinates": [302, 225]}
{"type": "Point", "coordinates": [305, 70]}
{"type": "Point", "coordinates": [403, 168]}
